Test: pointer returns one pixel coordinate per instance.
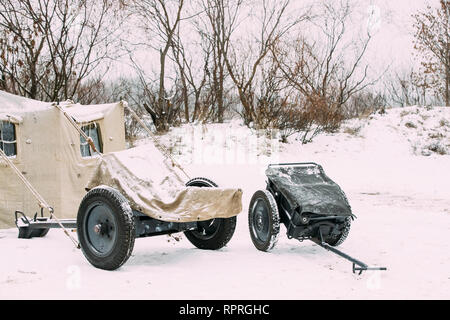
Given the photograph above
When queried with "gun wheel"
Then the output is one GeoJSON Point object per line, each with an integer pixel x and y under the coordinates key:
{"type": "Point", "coordinates": [263, 220]}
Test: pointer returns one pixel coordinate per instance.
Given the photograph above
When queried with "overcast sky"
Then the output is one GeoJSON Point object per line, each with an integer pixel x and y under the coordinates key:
{"type": "Point", "coordinates": [391, 44]}
{"type": "Point", "coordinates": [393, 41]}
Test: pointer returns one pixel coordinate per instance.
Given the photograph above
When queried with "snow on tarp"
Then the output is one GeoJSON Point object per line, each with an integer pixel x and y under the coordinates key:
{"type": "Point", "coordinates": [15, 105]}
{"type": "Point", "coordinates": [307, 187]}
{"type": "Point", "coordinates": [83, 114]}
{"type": "Point", "coordinates": [154, 187]}
{"type": "Point", "coordinates": [12, 107]}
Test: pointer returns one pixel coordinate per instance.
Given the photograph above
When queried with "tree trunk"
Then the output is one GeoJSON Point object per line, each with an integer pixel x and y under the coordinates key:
{"type": "Point", "coordinates": [185, 97]}
{"type": "Point", "coordinates": [447, 84]}
{"type": "Point", "coordinates": [220, 93]}
{"type": "Point", "coordinates": [162, 105]}
{"type": "Point", "coordinates": [196, 108]}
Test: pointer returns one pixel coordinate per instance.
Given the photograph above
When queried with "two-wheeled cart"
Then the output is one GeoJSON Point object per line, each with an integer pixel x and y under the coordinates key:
{"type": "Point", "coordinates": [311, 206]}
{"type": "Point", "coordinates": [107, 226]}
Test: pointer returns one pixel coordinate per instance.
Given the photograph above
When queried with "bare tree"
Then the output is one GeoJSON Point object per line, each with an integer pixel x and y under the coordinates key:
{"type": "Point", "coordinates": [403, 88]}
{"type": "Point", "coordinates": [221, 20]}
{"type": "Point", "coordinates": [134, 91]}
{"type": "Point", "coordinates": [50, 46]}
{"type": "Point", "coordinates": [193, 63]}
{"type": "Point", "coordinates": [179, 56]}
{"type": "Point", "coordinates": [324, 70]}
{"type": "Point", "coordinates": [160, 19]}
{"type": "Point", "coordinates": [432, 44]}
{"type": "Point", "coordinates": [21, 49]}
{"type": "Point", "coordinates": [244, 58]}
{"type": "Point", "coordinates": [364, 103]}
{"type": "Point", "coordinates": [92, 91]}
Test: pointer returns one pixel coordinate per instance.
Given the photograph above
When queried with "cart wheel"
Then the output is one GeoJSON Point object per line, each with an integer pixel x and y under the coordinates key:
{"type": "Point", "coordinates": [212, 234]}
{"type": "Point", "coordinates": [340, 238]}
{"type": "Point", "coordinates": [105, 228]}
{"type": "Point", "coordinates": [263, 220]}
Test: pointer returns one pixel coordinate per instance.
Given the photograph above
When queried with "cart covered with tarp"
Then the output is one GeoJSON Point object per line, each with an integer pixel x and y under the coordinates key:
{"type": "Point", "coordinates": [155, 187]}
{"type": "Point", "coordinates": [311, 206]}
{"type": "Point", "coordinates": [309, 190]}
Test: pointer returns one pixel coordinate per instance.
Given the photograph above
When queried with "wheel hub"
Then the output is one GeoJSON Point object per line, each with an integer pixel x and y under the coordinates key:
{"type": "Point", "coordinates": [260, 220]}
{"type": "Point", "coordinates": [97, 228]}
{"type": "Point", "coordinates": [103, 228]}
{"type": "Point", "coordinates": [100, 228]}
{"type": "Point", "coordinates": [207, 229]}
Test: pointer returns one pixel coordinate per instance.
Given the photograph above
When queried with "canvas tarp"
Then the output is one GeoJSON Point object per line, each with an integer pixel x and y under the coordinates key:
{"type": "Point", "coordinates": [156, 188]}
{"type": "Point", "coordinates": [307, 187]}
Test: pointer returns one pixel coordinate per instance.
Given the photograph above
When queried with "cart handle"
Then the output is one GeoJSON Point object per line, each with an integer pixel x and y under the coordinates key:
{"type": "Point", "coordinates": [364, 268]}
{"type": "Point", "coordinates": [294, 164]}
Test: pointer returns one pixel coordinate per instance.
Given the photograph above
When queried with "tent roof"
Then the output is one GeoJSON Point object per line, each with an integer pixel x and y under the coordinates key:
{"type": "Point", "coordinates": [89, 113]}
{"type": "Point", "coordinates": [12, 107]}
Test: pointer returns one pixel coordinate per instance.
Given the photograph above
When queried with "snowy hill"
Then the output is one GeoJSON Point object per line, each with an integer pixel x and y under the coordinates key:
{"type": "Point", "coordinates": [391, 152]}
{"type": "Point", "coordinates": [394, 168]}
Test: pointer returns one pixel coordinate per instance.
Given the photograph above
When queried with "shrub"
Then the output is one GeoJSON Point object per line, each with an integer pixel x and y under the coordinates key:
{"type": "Point", "coordinates": [410, 125]}
{"type": "Point", "coordinates": [438, 148]}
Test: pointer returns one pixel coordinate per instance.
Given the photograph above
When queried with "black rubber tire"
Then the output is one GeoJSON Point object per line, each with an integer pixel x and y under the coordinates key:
{"type": "Point", "coordinates": [339, 239]}
{"type": "Point", "coordinates": [201, 182]}
{"type": "Point", "coordinates": [223, 227]}
{"type": "Point", "coordinates": [273, 220]}
{"type": "Point", "coordinates": [124, 235]}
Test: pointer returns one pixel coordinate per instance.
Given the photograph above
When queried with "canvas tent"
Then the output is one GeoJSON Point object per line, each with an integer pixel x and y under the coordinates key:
{"type": "Point", "coordinates": [50, 152]}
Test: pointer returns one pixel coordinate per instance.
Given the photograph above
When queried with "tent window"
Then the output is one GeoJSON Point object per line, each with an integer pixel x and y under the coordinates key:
{"type": "Point", "coordinates": [91, 130]}
{"type": "Point", "coordinates": [8, 138]}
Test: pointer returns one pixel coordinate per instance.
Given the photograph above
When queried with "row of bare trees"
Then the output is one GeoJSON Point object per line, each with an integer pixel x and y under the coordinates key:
{"type": "Point", "coordinates": [274, 63]}
{"type": "Point", "coordinates": [252, 57]}
{"type": "Point", "coordinates": [427, 84]}
{"type": "Point", "coordinates": [432, 45]}
{"type": "Point", "coordinates": [48, 48]}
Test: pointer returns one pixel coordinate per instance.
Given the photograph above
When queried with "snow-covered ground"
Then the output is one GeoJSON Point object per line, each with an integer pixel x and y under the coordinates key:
{"type": "Point", "coordinates": [394, 168]}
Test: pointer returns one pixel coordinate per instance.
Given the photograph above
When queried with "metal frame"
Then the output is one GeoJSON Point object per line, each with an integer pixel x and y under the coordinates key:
{"type": "Point", "coordinates": [149, 227]}
{"type": "Point", "coordinates": [42, 222]}
{"type": "Point", "coordinates": [145, 225]}
{"type": "Point", "coordinates": [292, 164]}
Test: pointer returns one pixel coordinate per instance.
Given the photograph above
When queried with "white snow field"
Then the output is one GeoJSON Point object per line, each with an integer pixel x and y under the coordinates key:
{"type": "Point", "coordinates": [394, 168]}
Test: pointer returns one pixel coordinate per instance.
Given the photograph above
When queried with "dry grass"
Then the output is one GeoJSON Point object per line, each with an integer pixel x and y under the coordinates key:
{"type": "Point", "coordinates": [404, 113]}
{"type": "Point", "coordinates": [438, 148]}
{"type": "Point", "coordinates": [366, 113]}
{"type": "Point", "coordinates": [353, 131]}
{"type": "Point", "coordinates": [436, 135]}
{"type": "Point", "coordinates": [410, 125]}
{"type": "Point", "coordinates": [444, 123]}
